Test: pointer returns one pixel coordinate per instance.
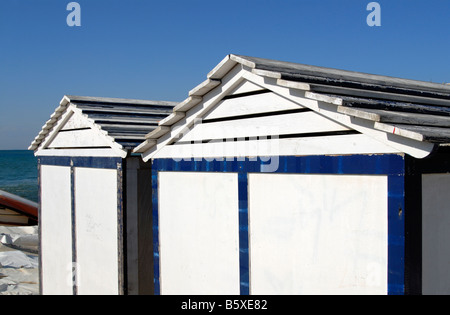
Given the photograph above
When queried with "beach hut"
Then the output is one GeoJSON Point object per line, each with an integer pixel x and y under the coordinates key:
{"type": "Point", "coordinates": [94, 216]}
{"type": "Point", "coordinates": [280, 178]}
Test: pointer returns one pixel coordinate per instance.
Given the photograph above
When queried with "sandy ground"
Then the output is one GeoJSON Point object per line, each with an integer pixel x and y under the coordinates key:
{"type": "Point", "coordinates": [19, 273]}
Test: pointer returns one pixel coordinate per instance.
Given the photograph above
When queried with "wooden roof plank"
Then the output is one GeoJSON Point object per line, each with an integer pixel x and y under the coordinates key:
{"type": "Point", "coordinates": [397, 117]}
{"type": "Point", "coordinates": [117, 110]}
{"type": "Point", "coordinates": [106, 100]}
{"type": "Point", "coordinates": [204, 87]}
{"type": "Point", "coordinates": [187, 104]}
{"type": "Point", "coordinates": [379, 95]}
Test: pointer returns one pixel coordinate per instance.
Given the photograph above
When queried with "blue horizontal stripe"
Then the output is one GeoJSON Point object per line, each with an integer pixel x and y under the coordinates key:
{"type": "Point", "coordinates": [91, 162]}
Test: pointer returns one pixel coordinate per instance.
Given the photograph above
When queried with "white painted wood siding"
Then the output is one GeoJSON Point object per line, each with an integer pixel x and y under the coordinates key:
{"type": "Point", "coordinates": [296, 123]}
{"type": "Point", "coordinates": [199, 233]}
{"type": "Point", "coordinates": [76, 121]}
{"type": "Point", "coordinates": [276, 126]}
{"type": "Point", "coordinates": [246, 87]}
{"type": "Point", "coordinates": [252, 104]}
{"type": "Point", "coordinates": [83, 138]}
{"type": "Point", "coordinates": [56, 231]}
{"type": "Point", "coordinates": [318, 234]}
{"type": "Point", "coordinates": [97, 231]}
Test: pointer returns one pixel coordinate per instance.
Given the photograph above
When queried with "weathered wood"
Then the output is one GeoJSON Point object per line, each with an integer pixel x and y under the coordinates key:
{"type": "Point", "coordinates": [343, 77]}
{"type": "Point", "coordinates": [73, 98]}
{"type": "Point", "coordinates": [324, 98]}
{"type": "Point", "coordinates": [122, 109]}
{"type": "Point", "coordinates": [222, 68]}
{"type": "Point", "coordinates": [396, 117]}
{"type": "Point", "coordinates": [267, 74]}
{"type": "Point", "coordinates": [187, 104]}
{"type": "Point", "coordinates": [364, 93]}
{"type": "Point", "coordinates": [421, 133]}
{"type": "Point", "coordinates": [294, 85]}
{"type": "Point", "coordinates": [204, 87]}
{"type": "Point", "coordinates": [158, 132]}
{"type": "Point", "coordinates": [172, 119]}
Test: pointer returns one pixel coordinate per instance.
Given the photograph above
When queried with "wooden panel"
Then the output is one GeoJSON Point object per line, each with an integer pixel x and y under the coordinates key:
{"type": "Point", "coordinates": [328, 234]}
{"type": "Point", "coordinates": [345, 144]}
{"type": "Point", "coordinates": [435, 234]}
{"type": "Point", "coordinates": [96, 231]}
{"type": "Point", "coordinates": [56, 230]}
{"type": "Point", "coordinates": [253, 104]}
{"type": "Point", "coordinates": [296, 123]}
{"type": "Point", "coordinates": [246, 87]}
{"type": "Point", "coordinates": [76, 121]}
{"type": "Point", "coordinates": [78, 139]}
{"type": "Point", "coordinates": [199, 233]}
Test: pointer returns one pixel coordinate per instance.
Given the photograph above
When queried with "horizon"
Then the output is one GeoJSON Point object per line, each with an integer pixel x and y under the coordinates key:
{"type": "Point", "coordinates": [152, 50]}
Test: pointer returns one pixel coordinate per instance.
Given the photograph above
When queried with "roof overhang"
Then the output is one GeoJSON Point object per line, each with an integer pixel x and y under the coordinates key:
{"type": "Point", "coordinates": [333, 93]}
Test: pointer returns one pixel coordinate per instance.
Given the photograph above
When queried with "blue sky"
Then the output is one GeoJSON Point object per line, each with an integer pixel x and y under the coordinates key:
{"type": "Point", "coordinates": [159, 50]}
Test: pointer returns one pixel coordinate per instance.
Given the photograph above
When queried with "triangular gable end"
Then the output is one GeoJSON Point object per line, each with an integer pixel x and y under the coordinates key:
{"type": "Point", "coordinates": [251, 120]}
{"type": "Point", "coordinates": [76, 135]}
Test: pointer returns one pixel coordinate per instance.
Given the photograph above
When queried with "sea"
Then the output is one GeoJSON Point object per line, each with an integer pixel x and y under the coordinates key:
{"type": "Point", "coordinates": [19, 174]}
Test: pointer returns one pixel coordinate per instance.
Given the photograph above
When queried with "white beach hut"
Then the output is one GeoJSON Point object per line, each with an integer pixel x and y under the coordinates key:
{"type": "Point", "coordinates": [94, 217]}
{"type": "Point", "coordinates": [281, 178]}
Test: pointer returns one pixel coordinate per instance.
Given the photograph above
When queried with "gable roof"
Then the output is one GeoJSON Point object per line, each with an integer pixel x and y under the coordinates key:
{"type": "Point", "coordinates": [406, 108]}
{"type": "Point", "coordinates": [125, 122]}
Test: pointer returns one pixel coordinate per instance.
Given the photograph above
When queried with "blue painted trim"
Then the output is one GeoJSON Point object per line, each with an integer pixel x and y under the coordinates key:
{"type": "Point", "coordinates": [94, 162]}
{"type": "Point", "coordinates": [155, 220]}
{"type": "Point", "coordinates": [390, 164]}
{"type": "Point", "coordinates": [121, 230]}
{"type": "Point", "coordinates": [74, 234]}
{"type": "Point", "coordinates": [396, 234]}
{"type": "Point", "coordinates": [244, 257]}
{"type": "Point", "coordinates": [40, 228]}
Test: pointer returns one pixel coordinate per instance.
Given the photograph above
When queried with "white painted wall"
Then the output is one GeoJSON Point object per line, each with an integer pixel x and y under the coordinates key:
{"type": "Point", "coordinates": [318, 234]}
{"type": "Point", "coordinates": [199, 233]}
{"type": "Point", "coordinates": [96, 231]}
{"type": "Point", "coordinates": [56, 231]}
{"type": "Point", "coordinates": [436, 234]}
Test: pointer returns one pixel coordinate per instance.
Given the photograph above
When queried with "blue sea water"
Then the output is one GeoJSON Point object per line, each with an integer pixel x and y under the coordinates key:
{"type": "Point", "coordinates": [19, 174]}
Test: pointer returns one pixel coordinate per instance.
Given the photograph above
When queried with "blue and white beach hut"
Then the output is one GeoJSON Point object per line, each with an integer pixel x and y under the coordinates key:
{"type": "Point", "coordinates": [94, 219]}
{"type": "Point", "coordinates": [281, 178]}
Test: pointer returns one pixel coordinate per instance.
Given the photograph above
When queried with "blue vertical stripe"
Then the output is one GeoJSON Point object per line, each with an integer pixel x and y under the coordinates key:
{"type": "Point", "coordinates": [396, 235]}
{"type": "Point", "coordinates": [155, 220]}
{"type": "Point", "coordinates": [243, 235]}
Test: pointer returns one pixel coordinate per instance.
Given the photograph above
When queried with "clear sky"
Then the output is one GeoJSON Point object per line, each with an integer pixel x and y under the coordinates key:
{"type": "Point", "coordinates": [159, 50]}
